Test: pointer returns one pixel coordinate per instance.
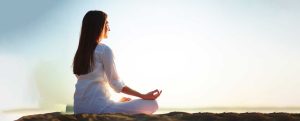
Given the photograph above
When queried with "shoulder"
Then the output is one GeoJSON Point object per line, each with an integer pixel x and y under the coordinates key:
{"type": "Point", "coordinates": [104, 46]}
{"type": "Point", "coordinates": [103, 49]}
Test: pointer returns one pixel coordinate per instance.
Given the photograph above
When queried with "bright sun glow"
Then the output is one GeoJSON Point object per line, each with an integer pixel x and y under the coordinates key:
{"type": "Point", "coordinates": [199, 53]}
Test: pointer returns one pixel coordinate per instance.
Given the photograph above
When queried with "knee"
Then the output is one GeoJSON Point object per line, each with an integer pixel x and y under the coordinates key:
{"type": "Point", "coordinates": [151, 106]}
{"type": "Point", "coordinates": [154, 106]}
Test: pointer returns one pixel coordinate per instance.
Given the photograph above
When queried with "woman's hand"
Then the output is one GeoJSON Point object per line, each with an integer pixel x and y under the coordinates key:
{"type": "Point", "coordinates": [151, 95]}
{"type": "Point", "coordinates": [124, 99]}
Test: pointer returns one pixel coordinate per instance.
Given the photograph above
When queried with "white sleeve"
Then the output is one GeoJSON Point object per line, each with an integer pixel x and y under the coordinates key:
{"type": "Point", "coordinates": [110, 70]}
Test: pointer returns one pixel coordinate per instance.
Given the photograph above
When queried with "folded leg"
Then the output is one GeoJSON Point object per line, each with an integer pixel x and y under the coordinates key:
{"type": "Point", "coordinates": [133, 107]}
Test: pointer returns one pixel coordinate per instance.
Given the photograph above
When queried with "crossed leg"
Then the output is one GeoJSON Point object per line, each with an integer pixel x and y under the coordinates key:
{"type": "Point", "coordinates": [135, 106]}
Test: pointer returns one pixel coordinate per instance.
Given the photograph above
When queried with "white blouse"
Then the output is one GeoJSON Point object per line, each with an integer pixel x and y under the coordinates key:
{"type": "Point", "coordinates": [91, 92]}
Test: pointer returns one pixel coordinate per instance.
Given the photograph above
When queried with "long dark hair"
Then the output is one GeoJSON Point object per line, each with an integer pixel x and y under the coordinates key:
{"type": "Point", "coordinates": [92, 26]}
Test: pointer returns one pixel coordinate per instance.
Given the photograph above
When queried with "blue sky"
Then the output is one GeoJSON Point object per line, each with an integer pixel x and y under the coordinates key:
{"type": "Point", "coordinates": [200, 53]}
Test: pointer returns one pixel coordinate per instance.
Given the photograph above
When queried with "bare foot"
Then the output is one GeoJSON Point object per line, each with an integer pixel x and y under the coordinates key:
{"type": "Point", "coordinates": [124, 99]}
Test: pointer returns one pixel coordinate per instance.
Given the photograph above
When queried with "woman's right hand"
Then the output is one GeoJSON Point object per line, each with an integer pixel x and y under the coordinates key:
{"type": "Point", "coordinates": [151, 95]}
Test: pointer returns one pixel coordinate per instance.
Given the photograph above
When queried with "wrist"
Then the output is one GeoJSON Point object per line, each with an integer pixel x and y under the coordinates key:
{"type": "Point", "coordinates": [140, 95]}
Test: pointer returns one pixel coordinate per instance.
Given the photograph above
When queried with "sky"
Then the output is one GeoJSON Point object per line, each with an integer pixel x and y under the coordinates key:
{"type": "Point", "coordinates": [200, 53]}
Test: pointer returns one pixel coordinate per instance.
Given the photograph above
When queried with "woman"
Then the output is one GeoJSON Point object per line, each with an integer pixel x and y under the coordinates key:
{"type": "Point", "coordinates": [95, 70]}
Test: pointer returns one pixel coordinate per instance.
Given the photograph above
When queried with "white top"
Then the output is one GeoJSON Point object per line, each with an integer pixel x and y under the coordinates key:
{"type": "Point", "coordinates": [91, 93]}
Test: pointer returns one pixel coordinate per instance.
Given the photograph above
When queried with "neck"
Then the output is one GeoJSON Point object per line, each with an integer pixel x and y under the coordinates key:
{"type": "Point", "coordinates": [99, 41]}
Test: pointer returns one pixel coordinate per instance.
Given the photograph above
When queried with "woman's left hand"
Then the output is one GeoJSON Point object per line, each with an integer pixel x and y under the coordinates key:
{"type": "Point", "coordinates": [125, 99]}
{"type": "Point", "coordinates": [151, 95]}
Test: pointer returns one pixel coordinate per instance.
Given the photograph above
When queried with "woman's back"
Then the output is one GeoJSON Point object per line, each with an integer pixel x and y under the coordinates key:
{"type": "Point", "coordinates": [98, 71]}
{"type": "Point", "coordinates": [92, 89]}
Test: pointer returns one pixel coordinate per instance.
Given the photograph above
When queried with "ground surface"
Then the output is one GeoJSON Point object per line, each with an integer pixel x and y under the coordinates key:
{"type": "Point", "coordinates": [172, 116]}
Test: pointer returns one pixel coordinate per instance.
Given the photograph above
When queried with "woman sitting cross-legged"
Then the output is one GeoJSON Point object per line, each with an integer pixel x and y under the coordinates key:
{"type": "Point", "coordinates": [95, 70]}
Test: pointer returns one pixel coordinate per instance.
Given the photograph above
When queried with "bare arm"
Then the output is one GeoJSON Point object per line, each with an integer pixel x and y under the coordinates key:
{"type": "Point", "coordinates": [117, 84]}
{"type": "Point", "coordinates": [149, 96]}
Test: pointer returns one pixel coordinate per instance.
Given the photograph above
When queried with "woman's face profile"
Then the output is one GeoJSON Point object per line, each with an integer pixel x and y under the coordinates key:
{"type": "Point", "coordinates": [106, 28]}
